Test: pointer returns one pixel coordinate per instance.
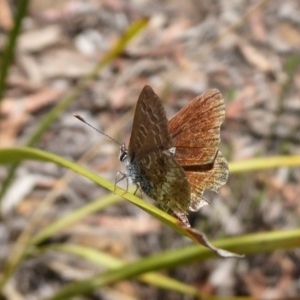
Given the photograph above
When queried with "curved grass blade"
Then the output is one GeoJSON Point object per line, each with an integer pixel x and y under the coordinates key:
{"type": "Point", "coordinates": [249, 244]}
{"type": "Point", "coordinates": [8, 54]}
{"type": "Point", "coordinates": [75, 216]}
{"type": "Point", "coordinates": [18, 154]}
{"type": "Point", "coordinates": [106, 260]}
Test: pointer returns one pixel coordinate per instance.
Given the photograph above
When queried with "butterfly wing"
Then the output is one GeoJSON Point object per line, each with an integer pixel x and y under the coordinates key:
{"type": "Point", "coordinates": [206, 178]}
{"type": "Point", "coordinates": [150, 125]}
{"type": "Point", "coordinates": [195, 131]}
{"type": "Point", "coordinates": [156, 171]}
{"type": "Point", "coordinates": [164, 180]}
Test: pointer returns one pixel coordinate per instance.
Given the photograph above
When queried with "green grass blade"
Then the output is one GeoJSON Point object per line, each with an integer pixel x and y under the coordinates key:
{"type": "Point", "coordinates": [108, 261]}
{"type": "Point", "coordinates": [129, 34]}
{"type": "Point", "coordinates": [249, 244]}
{"type": "Point", "coordinates": [264, 163]}
{"type": "Point", "coordinates": [75, 216]}
{"type": "Point", "coordinates": [8, 54]}
{"type": "Point", "coordinates": [12, 155]}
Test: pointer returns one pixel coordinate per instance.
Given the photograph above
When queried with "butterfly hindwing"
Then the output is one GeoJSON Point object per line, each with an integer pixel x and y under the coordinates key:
{"type": "Point", "coordinates": [206, 179]}
{"type": "Point", "coordinates": [168, 185]}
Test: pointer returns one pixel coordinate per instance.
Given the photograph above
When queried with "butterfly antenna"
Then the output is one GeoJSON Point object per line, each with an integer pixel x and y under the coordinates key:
{"type": "Point", "coordinates": [84, 121]}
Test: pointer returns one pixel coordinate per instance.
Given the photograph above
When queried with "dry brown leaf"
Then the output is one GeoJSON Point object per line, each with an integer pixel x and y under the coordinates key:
{"type": "Point", "coordinates": [65, 63]}
{"type": "Point", "coordinates": [258, 26]}
{"type": "Point", "coordinates": [132, 225]}
{"type": "Point", "coordinates": [255, 282]}
{"type": "Point", "coordinates": [254, 57]}
{"type": "Point", "coordinates": [10, 127]}
{"type": "Point", "coordinates": [38, 39]}
{"type": "Point", "coordinates": [287, 32]}
{"type": "Point", "coordinates": [118, 97]}
{"type": "Point", "coordinates": [20, 82]}
{"type": "Point", "coordinates": [6, 20]}
{"type": "Point", "coordinates": [30, 103]}
{"type": "Point", "coordinates": [31, 68]}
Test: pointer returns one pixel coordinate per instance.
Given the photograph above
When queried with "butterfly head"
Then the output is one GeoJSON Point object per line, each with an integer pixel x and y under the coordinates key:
{"type": "Point", "coordinates": [123, 154]}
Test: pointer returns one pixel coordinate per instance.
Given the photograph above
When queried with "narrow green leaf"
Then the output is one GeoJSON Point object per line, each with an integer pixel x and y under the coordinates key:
{"type": "Point", "coordinates": [74, 217]}
{"type": "Point", "coordinates": [9, 51]}
{"type": "Point", "coordinates": [103, 259]}
{"type": "Point", "coordinates": [264, 163]}
{"type": "Point", "coordinates": [248, 244]}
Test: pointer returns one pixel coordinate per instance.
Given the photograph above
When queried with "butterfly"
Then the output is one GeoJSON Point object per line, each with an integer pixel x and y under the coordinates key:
{"type": "Point", "coordinates": [175, 162]}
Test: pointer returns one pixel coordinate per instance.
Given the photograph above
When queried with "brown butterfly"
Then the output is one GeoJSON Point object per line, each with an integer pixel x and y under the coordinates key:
{"type": "Point", "coordinates": [173, 163]}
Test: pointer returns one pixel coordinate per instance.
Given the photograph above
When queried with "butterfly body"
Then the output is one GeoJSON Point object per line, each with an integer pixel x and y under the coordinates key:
{"type": "Point", "coordinates": [135, 173]}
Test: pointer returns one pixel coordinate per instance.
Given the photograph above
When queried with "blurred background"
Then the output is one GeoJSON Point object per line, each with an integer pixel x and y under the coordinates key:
{"type": "Point", "coordinates": [249, 50]}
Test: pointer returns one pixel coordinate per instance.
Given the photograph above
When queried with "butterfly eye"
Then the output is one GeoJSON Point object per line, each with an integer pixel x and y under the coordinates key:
{"type": "Point", "coordinates": [123, 154]}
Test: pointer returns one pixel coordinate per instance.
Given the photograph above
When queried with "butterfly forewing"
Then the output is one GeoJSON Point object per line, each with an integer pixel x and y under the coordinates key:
{"type": "Point", "coordinates": [150, 125]}
{"type": "Point", "coordinates": [195, 129]}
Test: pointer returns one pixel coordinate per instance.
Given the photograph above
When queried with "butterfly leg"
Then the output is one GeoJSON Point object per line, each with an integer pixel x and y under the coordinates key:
{"type": "Point", "coordinates": [123, 175]}
{"type": "Point", "coordinates": [137, 188]}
